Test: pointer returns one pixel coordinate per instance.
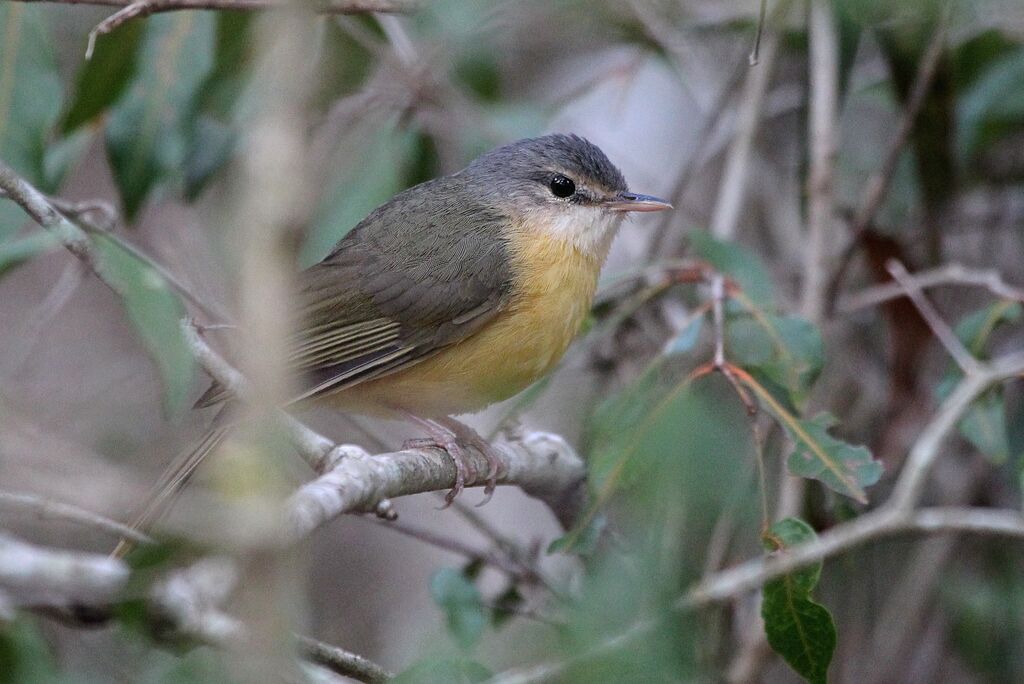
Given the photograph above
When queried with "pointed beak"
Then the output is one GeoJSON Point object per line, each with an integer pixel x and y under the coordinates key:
{"type": "Point", "coordinates": [631, 201]}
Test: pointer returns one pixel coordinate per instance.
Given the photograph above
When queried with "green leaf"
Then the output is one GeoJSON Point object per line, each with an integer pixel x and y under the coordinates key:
{"type": "Point", "coordinates": [444, 671]}
{"type": "Point", "coordinates": [505, 605]}
{"type": "Point", "coordinates": [984, 426]}
{"type": "Point", "coordinates": [798, 628]}
{"type": "Point", "coordinates": [582, 542]}
{"type": "Point", "coordinates": [156, 312]}
{"type": "Point", "coordinates": [30, 98]}
{"type": "Point", "coordinates": [462, 604]}
{"type": "Point", "coordinates": [974, 329]}
{"type": "Point", "coordinates": [102, 79]}
{"type": "Point", "coordinates": [786, 349]}
{"type": "Point", "coordinates": [25, 657]}
{"type": "Point", "coordinates": [738, 262]}
{"type": "Point", "coordinates": [358, 189]}
{"type": "Point", "coordinates": [149, 130]}
{"type": "Point", "coordinates": [19, 250]}
{"type": "Point", "coordinates": [842, 467]}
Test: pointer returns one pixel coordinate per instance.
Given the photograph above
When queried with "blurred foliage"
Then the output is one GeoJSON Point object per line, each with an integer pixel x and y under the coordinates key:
{"type": "Point", "coordinates": [674, 456]}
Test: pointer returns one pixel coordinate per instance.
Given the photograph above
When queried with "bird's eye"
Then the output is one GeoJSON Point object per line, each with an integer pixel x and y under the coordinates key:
{"type": "Point", "coordinates": [562, 186]}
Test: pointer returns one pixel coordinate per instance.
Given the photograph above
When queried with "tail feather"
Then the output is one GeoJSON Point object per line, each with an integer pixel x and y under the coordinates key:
{"type": "Point", "coordinates": [170, 484]}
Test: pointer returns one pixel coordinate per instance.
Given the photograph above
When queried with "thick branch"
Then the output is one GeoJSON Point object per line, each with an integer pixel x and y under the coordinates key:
{"type": "Point", "coordinates": [543, 465]}
{"type": "Point", "coordinates": [31, 574]}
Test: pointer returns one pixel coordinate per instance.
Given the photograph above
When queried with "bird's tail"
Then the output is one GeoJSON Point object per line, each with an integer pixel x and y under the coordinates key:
{"type": "Point", "coordinates": [170, 485]}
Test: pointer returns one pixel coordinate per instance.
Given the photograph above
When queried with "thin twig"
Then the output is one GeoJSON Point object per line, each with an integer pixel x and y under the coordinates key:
{"type": "Point", "coordinates": [54, 510]}
{"type": "Point", "coordinates": [948, 274]}
{"type": "Point", "coordinates": [755, 52]}
{"type": "Point", "coordinates": [77, 215]}
{"type": "Point", "coordinates": [823, 124]}
{"type": "Point", "coordinates": [342, 662]}
{"type": "Point", "coordinates": [877, 186]}
{"type": "Point", "coordinates": [502, 561]}
{"type": "Point", "coordinates": [968, 364]}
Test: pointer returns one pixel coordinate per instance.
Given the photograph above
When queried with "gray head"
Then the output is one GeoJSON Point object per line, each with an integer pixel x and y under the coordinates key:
{"type": "Point", "coordinates": [562, 183]}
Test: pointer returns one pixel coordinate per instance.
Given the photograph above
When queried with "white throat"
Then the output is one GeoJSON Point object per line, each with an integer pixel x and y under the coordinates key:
{"type": "Point", "coordinates": [590, 229]}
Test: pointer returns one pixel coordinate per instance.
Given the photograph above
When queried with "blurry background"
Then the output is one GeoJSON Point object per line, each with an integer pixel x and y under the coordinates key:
{"type": "Point", "coordinates": [94, 391]}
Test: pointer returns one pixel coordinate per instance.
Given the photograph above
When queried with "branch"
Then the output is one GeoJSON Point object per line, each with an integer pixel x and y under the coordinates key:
{"type": "Point", "coordinates": [730, 583]}
{"type": "Point", "coordinates": [31, 574]}
{"type": "Point", "coordinates": [542, 464]}
{"type": "Point", "coordinates": [948, 274]}
{"type": "Point", "coordinates": [968, 364]}
{"type": "Point", "coordinates": [342, 662]}
{"type": "Point", "coordinates": [50, 510]}
{"type": "Point", "coordinates": [71, 223]}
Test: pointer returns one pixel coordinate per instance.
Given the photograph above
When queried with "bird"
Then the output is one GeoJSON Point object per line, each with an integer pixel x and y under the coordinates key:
{"type": "Point", "coordinates": [455, 294]}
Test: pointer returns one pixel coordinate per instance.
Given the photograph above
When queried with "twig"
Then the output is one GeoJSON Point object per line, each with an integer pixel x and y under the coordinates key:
{"type": "Point", "coordinates": [732, 190]}
{"type": "Point", "coordinates": [54, 510]}
{"type": "Point", "coordinates": [342, 662]}
{"type": "Point", "coordinates": [968, 364]}
{"type": "Point", "coordinates": [132, 9]}
{"type": "Point", "coordinates": [823, 122]}
{"type": "Point", "coordinates": [755, 52]}
{"type": "Point", "coordinates": [76, 215]}
{"type": "Point", "coordinates": [753, 574]}
{"type": "Point", "coordinates": [502, 561]}
{"type": "Point", "coordinates": [877, 186]}
{"type": "Point", "coordinates": [948, 274]}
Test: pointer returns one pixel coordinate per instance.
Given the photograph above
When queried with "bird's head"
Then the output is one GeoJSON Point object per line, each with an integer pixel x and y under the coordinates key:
{"type": "Point", "coordinates": [560, 185]}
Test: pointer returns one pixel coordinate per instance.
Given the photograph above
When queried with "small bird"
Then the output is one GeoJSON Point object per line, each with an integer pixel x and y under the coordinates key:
{"type": "Point", "coordinates": [455, 294]}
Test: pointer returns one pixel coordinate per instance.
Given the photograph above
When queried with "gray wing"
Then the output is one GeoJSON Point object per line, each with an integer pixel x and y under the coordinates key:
{"type": "Point", "coordinates": [422, 272]}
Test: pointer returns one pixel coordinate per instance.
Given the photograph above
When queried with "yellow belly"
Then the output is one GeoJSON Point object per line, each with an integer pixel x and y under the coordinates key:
{"type": "Point", "coordinates": [554, 289]}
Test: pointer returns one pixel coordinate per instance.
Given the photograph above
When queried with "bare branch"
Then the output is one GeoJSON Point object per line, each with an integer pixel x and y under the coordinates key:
{"type": "Point", "coordinates": [968, 364]}
{"type": "Point", "coordinates": [31, 574]}
{"type": "Point", "coordinates": [342, 662]}
{"type": "Point", "coordinates": [823, 118]}
{"type": "Point", "coordinates": [542, 464]}
{"type": "Point", "coordinates": [948, 274]}
{"type": "Point", "coordinates": [55, 510]}
{"type": "Point", "coordinates": [71, 223]}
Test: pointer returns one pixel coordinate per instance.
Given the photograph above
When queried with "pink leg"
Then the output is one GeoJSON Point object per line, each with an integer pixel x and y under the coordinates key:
{"type": "Point", "coordinates": [441, 436]}
{"type": "Point", "coordinates": [469, 436]}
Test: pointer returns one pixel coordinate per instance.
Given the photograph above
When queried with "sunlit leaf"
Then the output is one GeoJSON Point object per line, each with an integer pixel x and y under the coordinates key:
{"type": "Point", "coordinates": [462, 604]}
{"type": "Point", "coordinates": [798, 628]}
{"type": "Point", "coordinates": [102, 79]}
{"type": "Point", "coordinates": [148, 130]}
{"type": "Point", "coordinates": [30, 99]}
{"type": "Point", "coordinates": [156, 312]}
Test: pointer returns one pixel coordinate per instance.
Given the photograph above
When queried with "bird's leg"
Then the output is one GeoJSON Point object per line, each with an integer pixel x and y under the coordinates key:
{"type": "Point", "coordinates": [471, 437]}
{"type": "Point", "coordinates": [443, 437]}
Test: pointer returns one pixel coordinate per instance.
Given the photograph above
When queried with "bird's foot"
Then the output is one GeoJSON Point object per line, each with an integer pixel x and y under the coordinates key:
{"type": "Point", "coordinates": [454, 437]}
{"type": "Point", "coordinates": [441, 437]}
{"type": "Point", "coordinates": [470, 437]}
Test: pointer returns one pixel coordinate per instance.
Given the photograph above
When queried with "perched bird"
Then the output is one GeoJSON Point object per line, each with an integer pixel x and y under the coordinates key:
{"type": "Point", "coordinates": [455, 294]}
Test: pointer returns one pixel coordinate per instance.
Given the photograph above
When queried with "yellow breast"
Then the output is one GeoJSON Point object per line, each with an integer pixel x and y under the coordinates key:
{"type": "Point", "coordinates": [554, 288]}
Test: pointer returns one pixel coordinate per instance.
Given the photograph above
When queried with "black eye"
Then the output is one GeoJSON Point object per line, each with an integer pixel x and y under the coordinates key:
{"type": "Point", "coordinates": [562, 186]}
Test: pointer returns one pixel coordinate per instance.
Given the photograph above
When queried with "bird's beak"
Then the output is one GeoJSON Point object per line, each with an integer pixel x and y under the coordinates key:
{"type": "Point", "coordinates": [631, 201]}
